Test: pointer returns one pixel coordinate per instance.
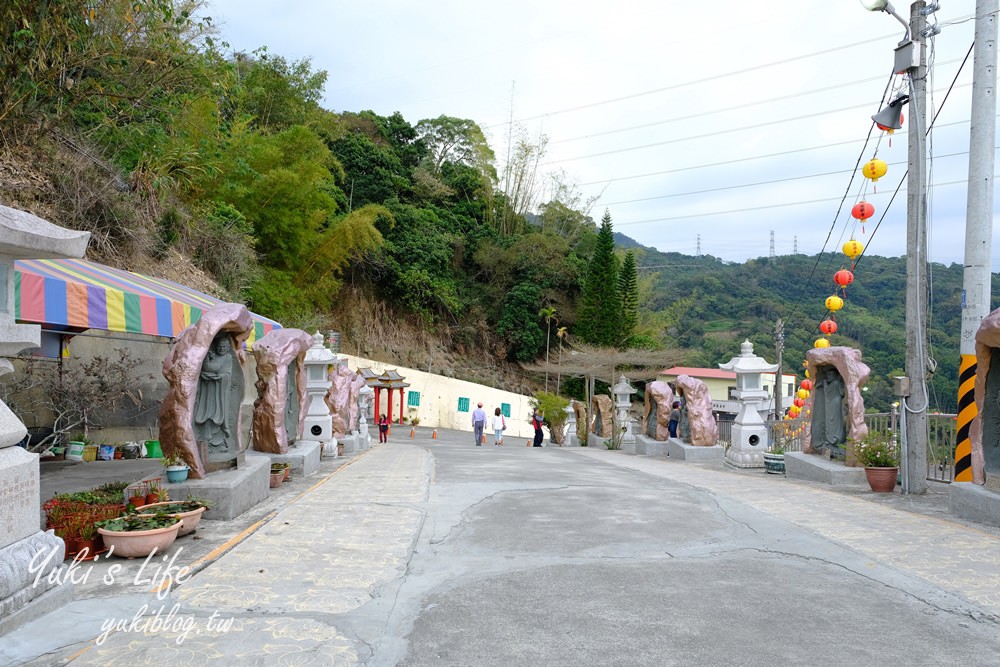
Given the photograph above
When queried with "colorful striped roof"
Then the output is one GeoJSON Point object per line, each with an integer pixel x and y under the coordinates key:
{"type": "Point", "coordinates": [77, 294]}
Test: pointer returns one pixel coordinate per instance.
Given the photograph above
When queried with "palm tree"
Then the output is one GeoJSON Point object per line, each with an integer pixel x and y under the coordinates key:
{"type": "Point", "coordinates": [560, 334]}
{"type": "Point", "coordinates": [549, 313]}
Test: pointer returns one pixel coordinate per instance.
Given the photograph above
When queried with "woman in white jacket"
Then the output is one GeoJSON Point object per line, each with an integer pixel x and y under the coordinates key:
{"type": "Point", "coordinates": [499, 424]}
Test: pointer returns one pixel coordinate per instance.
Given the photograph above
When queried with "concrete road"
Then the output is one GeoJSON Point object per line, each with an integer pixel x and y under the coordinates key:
{"type": "Point", "coordinates": [436, 552]}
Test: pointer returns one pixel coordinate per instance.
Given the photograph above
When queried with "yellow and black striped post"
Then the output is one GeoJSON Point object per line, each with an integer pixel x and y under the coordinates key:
{"type": "Point", "coordinates": [966, 413]}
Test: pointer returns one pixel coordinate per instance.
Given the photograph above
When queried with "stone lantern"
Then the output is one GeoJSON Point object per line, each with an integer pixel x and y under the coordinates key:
{"type": "Point", "coordinates": [318, 425]}
{"type": "Point", "coordinates": [570, 439]}
{"type": "Point", "coordinates": [623, 403]}
{"type": "Point", "coordinates": [750, 436]}
{"type": "Point", "coordinates": [364, 401]}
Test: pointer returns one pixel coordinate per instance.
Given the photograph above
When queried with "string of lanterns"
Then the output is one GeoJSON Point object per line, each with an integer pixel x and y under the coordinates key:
{"type": "Point", "coordinates": [873, 170]}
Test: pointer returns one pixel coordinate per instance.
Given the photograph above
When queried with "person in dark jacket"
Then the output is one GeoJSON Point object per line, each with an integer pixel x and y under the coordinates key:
{"type": "Point", "coordinates": [536, 420]}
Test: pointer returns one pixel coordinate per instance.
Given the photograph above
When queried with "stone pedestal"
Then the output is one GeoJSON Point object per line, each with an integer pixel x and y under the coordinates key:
{"type": "Point", "coordinates": [596, 441]}
{"type": "Point", "coordinates": [351, 443]}
{"type": "Point", "coordinates": [27, 555]}
{"type": "Point", "coordinates": [645, 446]}
{"type": "Point", "coordinates": [302, 457]}
{"type": "Point", "coordinates": [681, 451]}
{"type": "Point", "coordinates": [230, 492]}
{"type": "Point", "coordinates": [815, 468]}
{"type": "Point", "coordinates": [974, 502]}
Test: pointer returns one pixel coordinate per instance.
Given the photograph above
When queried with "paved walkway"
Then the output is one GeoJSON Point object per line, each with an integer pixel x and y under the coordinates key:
{"type": "Point", "coordinates": [281, 591]}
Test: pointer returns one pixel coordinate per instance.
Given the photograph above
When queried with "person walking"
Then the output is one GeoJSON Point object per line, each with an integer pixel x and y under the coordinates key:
{"type": "Point", "coordinates": [498, 424]}
{"type": "Point", "coordinates": [675, 419]}
{"type": "Point", "coordinates": [536, 420]}
{"type": "Point", "coordinates": [383, 428]}
{"type": "Point", "coordinates": [478, 423]}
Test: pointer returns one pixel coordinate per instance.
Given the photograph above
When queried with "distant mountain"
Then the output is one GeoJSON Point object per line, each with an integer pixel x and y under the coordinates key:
{"type": "Point", "coordinates": [708, 307]}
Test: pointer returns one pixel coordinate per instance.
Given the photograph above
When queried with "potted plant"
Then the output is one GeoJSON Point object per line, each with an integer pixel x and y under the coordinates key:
{"type": "Point", "coordinates": [189, 511]}
{"type": "Point", "coordinates": [177, 469]}
{"type": "Point", "coordinates": [277, 475]}
{"type": "Point", "coordinates": [154, 492]}
{"type": "Point", "coordinates": [774, 460]}
{"type": "Point", "coordinates": [138, 535]}
{"type": "Point", "coordinates": [879, 454]}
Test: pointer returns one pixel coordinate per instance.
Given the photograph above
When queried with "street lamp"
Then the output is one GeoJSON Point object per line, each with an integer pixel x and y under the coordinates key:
{"type": "Point", "coordinates": [886, 6]}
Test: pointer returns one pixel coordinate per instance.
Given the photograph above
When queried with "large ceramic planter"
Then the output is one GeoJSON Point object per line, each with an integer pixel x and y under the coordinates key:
{"type": "Point", "coordinates": [882, 480]}
{"type": "Point", "coordinates": [177, 474]}
{"type": "Point", "coordinates": [140, 543]}
{"type": "Point", "coordinates": [774, 463]}
{"type": "Point", "coordinates": [191, 519]}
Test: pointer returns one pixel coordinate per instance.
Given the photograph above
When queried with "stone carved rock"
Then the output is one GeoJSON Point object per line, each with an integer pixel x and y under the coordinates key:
{"type": "Point", "coordinates": [987, 401]}
{"type": "Point", "coordinates": [659, 398]}
{"type": "Point", "coordinates": [854, 373]}
{"type": "Point", "coordinates": [698, 407]}
{"type": "Point", "coordinates": [280, 408]}
{"type": "Point", "coordinates": [183, 369]}
{"type": "Point", "coordinates": [342, 398]}
{"type": "Point", "coordinates": [603, 416]}
{"type": "Point", "coordinates": [580, 412]}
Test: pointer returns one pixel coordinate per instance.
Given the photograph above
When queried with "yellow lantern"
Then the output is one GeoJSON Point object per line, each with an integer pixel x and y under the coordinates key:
{"type": "Point", "coordinates": [874, 169]}
{"type": "Point", "coordinates": [853, 248]}
{"type": "Point", "coordinates": [821, 342]}
{"type": "Point", "coordinates": [834, 302]}
{"type": "Point", "coordinates": [807, 373]}
{"type": "Point", "coordinates": [803, 393]}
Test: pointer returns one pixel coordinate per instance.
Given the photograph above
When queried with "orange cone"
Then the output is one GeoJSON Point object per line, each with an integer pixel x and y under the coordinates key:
{"type": "Point", "coordinates": [484, 438]}
{"type": "Point", "coordinates": [434, 434]}
{"type": "Point", "coordinates": [412, 431]}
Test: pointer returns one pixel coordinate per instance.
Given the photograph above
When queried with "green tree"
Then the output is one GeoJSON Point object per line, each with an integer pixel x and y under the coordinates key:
{"type": "Point", "coordinates": [518, 325]}
{"type": "Point", "coordinates": [601, 309]}
{"type": "Point", "coordinates": [628, 292]}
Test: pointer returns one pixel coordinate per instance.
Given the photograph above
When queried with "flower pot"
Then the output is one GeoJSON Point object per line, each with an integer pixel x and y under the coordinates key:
{"type": "Point", "coordinates": [75, 451]}
{"type": "Point", "coordinates": [276, 479]}
{"type": "Point", "coordinates": [340, 449]}
{"type": "Point", "coordinates": [152, 498]}
{"type": "Point", "coordinates": [191, 519]}
{"type": "Point", "coordinates": [140, 543]}
{"type": "Point", "coordinates": [119, 454]}
{"type": "Point", "coordinates": [177, 474]}
{"type": "Point", "coordinates": [774, 463]}
{"type": "Point", "coordinates": [137, 500]}
{"type": "Point", "coordinates": [288, 473]}
{"type": "Point", "coordinates": [882, 480]}
{"type": "Point", "coordinates": [153, 450]}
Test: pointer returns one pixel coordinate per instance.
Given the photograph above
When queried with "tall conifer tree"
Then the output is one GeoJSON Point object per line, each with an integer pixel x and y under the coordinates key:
{"type": "Point", "coordinates": [628, 293]}
{"type": "Point", "coordinates": [601, 310]}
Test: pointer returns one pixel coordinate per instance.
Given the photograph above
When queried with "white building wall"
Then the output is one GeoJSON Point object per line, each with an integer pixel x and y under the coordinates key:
{"type": "Point", "coordinates": [439, 397]}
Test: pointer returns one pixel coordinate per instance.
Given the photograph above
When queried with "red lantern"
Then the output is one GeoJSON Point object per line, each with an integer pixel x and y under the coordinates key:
{"type": "Point", "coordinates": [862, 211]}
{"type": "Point", "coordinates": [807, 384]}
{"type": "Point", "coordinates": [843, 277]}
{"type": "Point", "coordinates": [828, 327]}
{"type": "Point", "coordinates": [799, 402]}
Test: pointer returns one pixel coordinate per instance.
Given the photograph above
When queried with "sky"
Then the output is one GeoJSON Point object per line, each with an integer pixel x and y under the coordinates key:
{"type": "Point", "coordinates": [702, 127]}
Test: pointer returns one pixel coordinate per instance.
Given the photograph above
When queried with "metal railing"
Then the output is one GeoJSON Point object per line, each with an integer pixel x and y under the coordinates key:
{"type": "Point", "coordinates": [789, 434]}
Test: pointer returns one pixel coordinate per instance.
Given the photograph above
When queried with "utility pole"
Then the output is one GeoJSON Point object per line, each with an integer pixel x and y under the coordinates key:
{"type": "Point", "coordinates": [779, 384]}
{"type": "Point", "coordinates": [914, 405]}
{"type": "Point", "coordinates": [978, 224]}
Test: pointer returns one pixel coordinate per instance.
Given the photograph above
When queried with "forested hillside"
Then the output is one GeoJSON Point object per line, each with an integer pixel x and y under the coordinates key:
{"type": "Point", "coordinates": [408, 235]}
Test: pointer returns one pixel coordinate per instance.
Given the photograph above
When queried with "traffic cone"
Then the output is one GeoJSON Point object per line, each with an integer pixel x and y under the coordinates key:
{"type": "Point", "coordinates": [412, 431]}
{"type": "Point", "coordinates": [527, 443]}
{"type": "Point", "coordinates": [434, 434]}
{"type": "Point", "coordinates": [484, 438]}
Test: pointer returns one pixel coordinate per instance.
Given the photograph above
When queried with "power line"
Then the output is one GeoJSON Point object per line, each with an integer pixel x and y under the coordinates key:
{"type": "Point", "coordinates": [694, 82]}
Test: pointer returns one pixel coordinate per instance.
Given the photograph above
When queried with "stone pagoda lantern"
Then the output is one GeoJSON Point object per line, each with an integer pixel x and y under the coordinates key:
{"type": "Point", "coordinates": [364, 404]}
{"type": "Point", "coordinates": [750, 436]}
{"type": "Point", "coordinates": [623, 403]}
{"type": "Point", "coordinates": [318, 424]}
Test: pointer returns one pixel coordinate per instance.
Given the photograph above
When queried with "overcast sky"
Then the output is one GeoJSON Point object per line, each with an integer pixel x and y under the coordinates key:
{"type": "Point", "coordinates": [700, 125]}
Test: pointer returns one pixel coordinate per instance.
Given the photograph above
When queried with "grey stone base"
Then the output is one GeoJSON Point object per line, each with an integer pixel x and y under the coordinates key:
{"type": "Point", "coordinates": [974, 502]}
{"type": "Point", "coordinates": [571, 440]}
{"type": "Point", "coordinates": [230, 492]}
{"type": "Point", "coordinates": [302, 456]}
{"type": "Point", "coordinates": [745, 458]}
{"type": "Point", "coordinates": [350, 443]}
{"type": "Point", "coordinates": [21, 600]}
{"type": "Point", "coordinates": [677, 449]}
{"type": "Point", "coordinates": [596, 441]}
{"type": "Point", "coordinates": [645, 446]}
{"type": "Point", "coordinates": [814, 468]}
{"type": "Point", "coordinates": [629, 447]}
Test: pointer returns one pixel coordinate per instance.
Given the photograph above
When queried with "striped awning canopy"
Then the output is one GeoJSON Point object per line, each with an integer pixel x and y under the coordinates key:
{"type": "Point", "coordinates": [74, 295]}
